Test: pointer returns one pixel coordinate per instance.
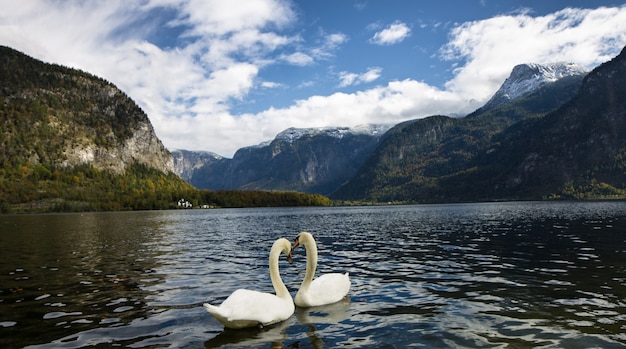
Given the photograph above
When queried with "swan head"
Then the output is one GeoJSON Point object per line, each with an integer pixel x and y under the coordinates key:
{"type": "Point", "coordinates": [302, 239]}
{"type": "Point", "coordinates": [283, 245]}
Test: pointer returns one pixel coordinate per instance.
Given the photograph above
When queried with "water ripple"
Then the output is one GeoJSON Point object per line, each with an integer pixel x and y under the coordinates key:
{"type": "Point", "coordinates": [436, 276]}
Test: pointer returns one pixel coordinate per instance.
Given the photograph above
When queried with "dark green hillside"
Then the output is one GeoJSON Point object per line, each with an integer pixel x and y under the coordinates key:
{"type": "Point", "coordinates": [565, 140]}
{"type": "Point", "coordinates": [42, 103]}
{"type": "Point", "coordinates": [47, 111]}
{"type": "Point", "coordinates": [436, 159]}
{"type": "Point", "coordinates": [578, 151]}
{"type": "Point", "coordinates": [41, 188]}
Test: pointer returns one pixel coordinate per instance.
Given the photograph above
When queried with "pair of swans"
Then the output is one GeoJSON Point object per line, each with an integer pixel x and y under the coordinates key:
{"type": "Point", "coordinates": [247, 308]}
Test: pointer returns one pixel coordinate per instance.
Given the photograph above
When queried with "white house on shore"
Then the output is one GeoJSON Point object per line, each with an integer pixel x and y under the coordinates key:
{"type": "Point", "coordinates": [182, 203]}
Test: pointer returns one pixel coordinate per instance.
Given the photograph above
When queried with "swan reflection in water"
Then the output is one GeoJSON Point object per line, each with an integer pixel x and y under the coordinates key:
{"type": "Point", "coordinates": [252, 337]}
{"type": "Point", "coordinates": [324, 314]}
{"type": "Point", "coordinates": [277, 334]}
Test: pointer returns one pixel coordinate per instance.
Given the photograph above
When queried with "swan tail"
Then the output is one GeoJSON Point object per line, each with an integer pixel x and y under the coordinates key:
{"type": "Point", "coordinates": [210, 308]}
{"type": "Point", "coordinates": [217, 312]}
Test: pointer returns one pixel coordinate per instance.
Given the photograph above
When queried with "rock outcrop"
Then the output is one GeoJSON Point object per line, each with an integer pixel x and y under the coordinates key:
{"type": "Point", "coordinates": [59, 116]}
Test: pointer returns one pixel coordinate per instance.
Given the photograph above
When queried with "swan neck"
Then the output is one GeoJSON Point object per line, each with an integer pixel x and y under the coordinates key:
{"type": "Point", "coordinates": [277, 281]}
{"type": "Point", "coordinates": [311, 263]}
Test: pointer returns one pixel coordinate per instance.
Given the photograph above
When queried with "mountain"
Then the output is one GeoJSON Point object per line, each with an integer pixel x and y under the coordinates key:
{"type": "Point", "coordinates": [186, 162]}
{"type": "Point", "coordinates": [444, 159]}
{"type": "Point", "coordinates": [320, 160]}
{"type": "Point", "coordinates": [526, 78]}
{"type": "Point", "coordinates": [314, 160]}
{"type": "Point", "coordinates": [65, 117]}
{"type": "Point", "coordinates": [577, 151]}
{"type": "Point", "coordinates": [72, 141]}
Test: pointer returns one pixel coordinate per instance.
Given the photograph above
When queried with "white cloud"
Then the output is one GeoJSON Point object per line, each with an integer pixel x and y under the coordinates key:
{"type": "Point", "coordinates": [334, 40]}
{"type": "Point", "coordinates": [328, 45]}
{"type": "Point", "coordinates": [371, 75]}
{"type": "Point", "coordinates": [395, 102]}
{"type": "Point", "coordinates": [393, 34]}
{"type": "Point", "coordinates": [360, 6]}
{"type": "Point", "coordinates": [271, 84]}
{"type": "Point", "coordinates": [219, 18]}
{"type": "Point", "coordinates": [298, 58]}
{"type": "Point", "coordinates": [488, 49]}
{"type": "Point", "coordinates": [348, 79]}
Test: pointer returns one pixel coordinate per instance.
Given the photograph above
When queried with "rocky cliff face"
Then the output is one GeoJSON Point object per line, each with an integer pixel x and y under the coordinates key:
{"type": "Point", "coordinates": [64, 117]}
{"type": "Point", "coordinates": [315, 160]}
{"type": "Point", "coordinates": [187, 162]}
{"type": "Point", "coordinates": [142, 147]}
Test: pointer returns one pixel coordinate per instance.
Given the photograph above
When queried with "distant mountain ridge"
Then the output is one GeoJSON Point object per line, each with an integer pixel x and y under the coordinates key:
{"type": "Point", "coordinates": [314, 160]}
{"type": "Point", "coordinates": [186, 162]}
{"type": "Point", "coordinates": [293, 134]}
{"type": "Point", "coordinates": [316, 166]}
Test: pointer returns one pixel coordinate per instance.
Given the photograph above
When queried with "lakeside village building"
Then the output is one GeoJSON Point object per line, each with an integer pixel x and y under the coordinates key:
{"type": "Point", "coordinates": [182, 203]}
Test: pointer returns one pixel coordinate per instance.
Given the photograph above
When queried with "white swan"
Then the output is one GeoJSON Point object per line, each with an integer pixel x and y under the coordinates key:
{"type": "Point", "coordinates": [246, 308]}
{"type": "Point", "coordinates": [326, 289]}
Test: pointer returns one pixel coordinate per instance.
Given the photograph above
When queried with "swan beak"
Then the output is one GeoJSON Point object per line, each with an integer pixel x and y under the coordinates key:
{"type": "Point", "coordinates": [290, 255]}
{"type": "Point", "coordinates": [296, 243]}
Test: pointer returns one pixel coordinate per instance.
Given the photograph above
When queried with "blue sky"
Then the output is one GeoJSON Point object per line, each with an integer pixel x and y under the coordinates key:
{"type": "Point", "coordinates": [220, 75]}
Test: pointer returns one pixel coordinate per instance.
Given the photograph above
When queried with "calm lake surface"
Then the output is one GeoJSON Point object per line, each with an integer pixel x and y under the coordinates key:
{"type": "Point", "coordinates": [531, 274]}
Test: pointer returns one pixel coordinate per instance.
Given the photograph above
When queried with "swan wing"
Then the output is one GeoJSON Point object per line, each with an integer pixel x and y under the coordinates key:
{"type": "Point", "coordinates": [326, 289]}
{"type": "Point", "coordinates": [247, 308]}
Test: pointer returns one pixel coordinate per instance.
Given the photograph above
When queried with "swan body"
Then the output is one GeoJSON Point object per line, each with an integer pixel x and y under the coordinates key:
{"type": "Point", "coordinates": [326, 289]}
{"type": "Point", "coordinates": [248, 308]}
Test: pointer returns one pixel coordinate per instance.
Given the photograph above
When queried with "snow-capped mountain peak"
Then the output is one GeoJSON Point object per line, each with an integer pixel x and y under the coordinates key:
{"type": "Point", "coordinates": [292, 134]}
{"type": "Point", "coordinates": [526, 78]}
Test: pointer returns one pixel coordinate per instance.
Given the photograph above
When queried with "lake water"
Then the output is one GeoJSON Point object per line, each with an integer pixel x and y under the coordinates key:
{"type": "Point", "coordinates": [531, 274]}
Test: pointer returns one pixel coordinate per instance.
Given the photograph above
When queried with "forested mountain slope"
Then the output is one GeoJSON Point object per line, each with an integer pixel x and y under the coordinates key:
{"type": "Point", "coordinates": [71, 141]}
{"type": "Point", "coordinates": [443, 159]}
